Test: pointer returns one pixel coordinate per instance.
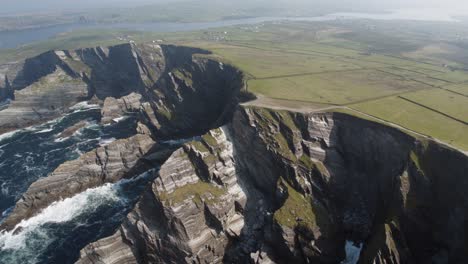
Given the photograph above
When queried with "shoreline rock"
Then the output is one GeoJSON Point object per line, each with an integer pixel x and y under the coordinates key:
{"type": "Point", "coordinates": [123, 158]}
{"type": "Point", "coordinates": [189, 215]}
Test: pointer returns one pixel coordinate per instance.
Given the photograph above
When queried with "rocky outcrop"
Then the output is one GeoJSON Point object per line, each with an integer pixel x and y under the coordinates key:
{"type": "Point", "coordinates": [181, 93]}
{"type": "Point", "coordinates": [427, 220]}
{"type": "Point", "coordinates": [310, 183]}
{"type": "Point", "coordinates": [192, 98]}
{"type": "Point", "coordinates": [334, 177]}
{"type": "Point", "coordinates": [270, 187]}
{"type": "Point", "coordinates": [43, 100]}
{"type": "Point", "coordinates": [192, 211]}
{"type": "Point", "coordinates": [117, 108]}
{"type": "Point", "coordinates": [120, 159]}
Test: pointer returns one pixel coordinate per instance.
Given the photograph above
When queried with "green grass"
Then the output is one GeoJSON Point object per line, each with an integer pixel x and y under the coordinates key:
{"type": "Point", "coordinates": [183, 75]}
{"type": "Point", "coordinates": [446, 102]}
{"type": "Point", "coordinates": [419, 119]}
{"type": "Point", "coordinates": [305, 66]}
{"type": "Point", "coordinates": [209, 139]}
{"type": "Point", "coordinates": [78, 66]}
{"type": "Point", "coordinates": [164, 112]}
{"type": "Point", "coordinates": [334, 88]}
{"type": "Point", "coordinates": [296, 207]}
{"type": "Point", "coordinates": [198, 192]}
{"type": "Point", "coordinates": [199, 146]}
{"type": "Point", "coordinates": [459, 88]}
{"type": "Point", "coordinates": [266, 63]}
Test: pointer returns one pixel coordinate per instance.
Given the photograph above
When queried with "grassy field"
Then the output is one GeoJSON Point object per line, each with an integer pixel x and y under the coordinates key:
{"type": "Point", "coordinates": [267, 63]}
{"type": "Point", "coordinates": [338, 87]}
{"type": "Point", "coordinates": [444, 101]}
{"type": "Point", "coordinates": [302, 65]}
{"type": "Point", "coordinates": [460, 88]}
{"type": "Point", "coordinates": [419, 119]}
{"type": "Point", "coordinates": [312, 66]}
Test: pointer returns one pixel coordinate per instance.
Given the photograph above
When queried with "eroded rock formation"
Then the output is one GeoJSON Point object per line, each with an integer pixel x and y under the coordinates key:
{"type": "Point", "coordinates": [120, 159]}
{"type": "Point", "coordinates": [181, 93]}
{"type": "Point", "coordinates": [191, 213]}
{"type": "Point", "coordinates": [268, 187]}
{"type": "Point", "coordinates": [311, 183]}
{"type": "Point", "coordinates": [341, 178]}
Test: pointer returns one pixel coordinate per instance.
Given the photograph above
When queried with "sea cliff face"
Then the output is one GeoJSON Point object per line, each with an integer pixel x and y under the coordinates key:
{"type": "Point", "coordinates": [181, 94]}
{"type": "Point", "coordinates": [359, 181]}
{"type": "Point", "coordinates": [306, 185]}
{"type": "Point", "coordinates": [252, 185]}
{"type": "Point", "coordinates": [189, 214]}
{"type": "Point", "coordinates": [124, 158]}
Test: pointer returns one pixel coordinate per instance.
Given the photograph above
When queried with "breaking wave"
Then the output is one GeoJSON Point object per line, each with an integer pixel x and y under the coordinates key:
{"type": "Point", "coordinates": [32, 239]}
{"type": "Point", "coordinates": [58, 212]}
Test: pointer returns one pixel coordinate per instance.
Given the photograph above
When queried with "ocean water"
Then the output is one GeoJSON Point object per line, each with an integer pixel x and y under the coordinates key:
{"type": "Point", "coordinates": [56, 234]}
{"type": "Point", "coordinates": [31, 153]}
{"type": "Point", "coordinates": [353, 252]}
{"type": "Point", "coordinates": [60, 231]}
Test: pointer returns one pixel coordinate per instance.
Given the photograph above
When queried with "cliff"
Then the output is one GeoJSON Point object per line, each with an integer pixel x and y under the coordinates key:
{"type": "Point", "coordinates": [363, 182]}
{"type": "Point", "coordinates": [183, 94]}
{"type": "Point", "coordinates": [120, 159]}
{"type": "Point", "coordinates": [255, 185]}
{"type": "Point", "coordinates": [311, 182]}
{"type": "Point", "coordinates": [190, 214]}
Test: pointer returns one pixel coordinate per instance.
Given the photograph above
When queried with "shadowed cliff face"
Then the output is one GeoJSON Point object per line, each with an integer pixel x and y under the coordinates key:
{"type": "Point", "coordinates": [309, 184]}
{"type": "Point", "coordinates": [173, 92]}
{"type": "Point", "coordinates": [268, 187]}
{"type": "Point", "coordinates": [361, 181]}
{"type": "Point", "coordinates": [182, 93]}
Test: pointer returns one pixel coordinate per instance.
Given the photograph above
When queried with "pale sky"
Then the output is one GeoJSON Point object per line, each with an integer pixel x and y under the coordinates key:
{"type": "Point", "coordinates": [15, 6]}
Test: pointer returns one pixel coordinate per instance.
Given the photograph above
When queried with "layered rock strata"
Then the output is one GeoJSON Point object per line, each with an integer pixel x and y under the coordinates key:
{"type": "Point", "coordinates": [270, 187]}
{"type": "Point", "coordinates": [333, 177]}
{"type": "Point", "coordinates": [182, 92]}
{"type": "Point", "coordinates": [190, 214]}
{"type": "Point", "coordinates": [120, 159]}
{"type": "Point", "coordinates": [310, 185]}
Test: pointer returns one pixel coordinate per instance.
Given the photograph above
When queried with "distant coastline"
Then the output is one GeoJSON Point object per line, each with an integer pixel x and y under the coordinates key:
{"type": "Point", "coordinates": [16, 38]}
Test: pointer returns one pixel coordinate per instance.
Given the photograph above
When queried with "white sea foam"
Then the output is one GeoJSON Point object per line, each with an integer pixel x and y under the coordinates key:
{"type": "Point", "coordinates": [353, 251]}
{"type": "Point", "coordinates": [4, 189]}
{"type": "Point", "coordinates": [60, 139]}
{"type": "Point", "coordinates": [7, 211]}
{"type": "Point", "coordinates": [106, 141]}
{"type": "Point", "coordinates": [46, 130]}
{"type": "Point", "coordinates": [58, 212]}
{"type": "Point", "coordinates": [92, 125]}
{"type": "Point", "coordinates": [84, 106]}
{"type": "Point", "coordinates": [119, 119]}
{"type": "Point", "coordinates": [9, 134]}
{"type": "Point", "coordinates": [78, 151]}
{"type": "Point", "coordinates": [33, 231]}
{"type": "Point", "coordinates": [177, 142]}
{"type": "Point", "coordinates": [42, 128]}
{"type": "Point", "coordinates": [78, 133]}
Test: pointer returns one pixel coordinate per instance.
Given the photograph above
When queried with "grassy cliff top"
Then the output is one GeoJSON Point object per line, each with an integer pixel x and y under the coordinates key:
{"type": "Point", "coordinates": [367, 68]}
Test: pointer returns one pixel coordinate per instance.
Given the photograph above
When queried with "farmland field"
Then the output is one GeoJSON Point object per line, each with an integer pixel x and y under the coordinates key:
{"type": "Point", "coordinates": [419, 119]}
{"type": "Point", "coordinates": [420, 84]}
{"type": "Point", "coordinates": [444, 101]}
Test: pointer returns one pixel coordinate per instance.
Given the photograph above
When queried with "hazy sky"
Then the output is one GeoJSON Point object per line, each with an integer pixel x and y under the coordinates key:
{"type": "Point", "coordinates": [21, 6]}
